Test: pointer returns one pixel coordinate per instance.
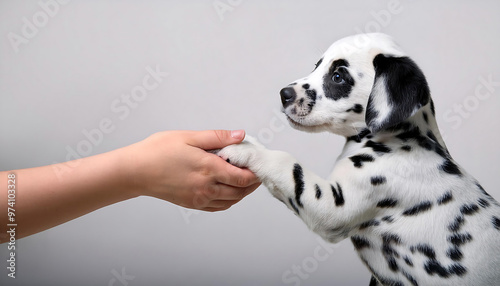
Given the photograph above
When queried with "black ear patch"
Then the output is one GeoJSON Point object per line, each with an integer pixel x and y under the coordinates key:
{"type": "Point", "coordinates": [399, 90]}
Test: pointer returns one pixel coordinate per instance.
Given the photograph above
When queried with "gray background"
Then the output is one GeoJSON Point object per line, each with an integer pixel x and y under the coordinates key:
{"type": "Point", "coordinates": [224, 72]}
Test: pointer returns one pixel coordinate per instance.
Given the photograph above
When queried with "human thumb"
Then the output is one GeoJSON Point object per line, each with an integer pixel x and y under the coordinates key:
{"type": "Point", "coordinates": [216, 139]}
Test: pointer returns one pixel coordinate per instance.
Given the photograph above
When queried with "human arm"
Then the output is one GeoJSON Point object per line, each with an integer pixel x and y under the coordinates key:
{"type": "Point", "coordinates": [170, 165]}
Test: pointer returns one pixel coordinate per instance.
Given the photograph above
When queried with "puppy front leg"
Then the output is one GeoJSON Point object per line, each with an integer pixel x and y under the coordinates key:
{"type": "Point", "coordinates": [321, 204]}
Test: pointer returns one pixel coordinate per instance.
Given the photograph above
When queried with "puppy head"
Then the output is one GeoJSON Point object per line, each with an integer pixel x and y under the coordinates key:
{"type": "Point", "coordinates": [362, 81]}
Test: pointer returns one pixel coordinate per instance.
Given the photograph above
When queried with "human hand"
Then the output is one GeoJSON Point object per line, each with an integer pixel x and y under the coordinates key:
{"type": "Point", "coordinates": [174, 166]}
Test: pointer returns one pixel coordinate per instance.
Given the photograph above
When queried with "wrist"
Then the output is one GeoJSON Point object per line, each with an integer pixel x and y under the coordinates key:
{"type": "Point", "coordinates": [125, 172]}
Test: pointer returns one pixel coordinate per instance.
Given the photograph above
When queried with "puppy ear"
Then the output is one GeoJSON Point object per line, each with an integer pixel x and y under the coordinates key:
{"type": "Point", "coordinates": [399, 90]}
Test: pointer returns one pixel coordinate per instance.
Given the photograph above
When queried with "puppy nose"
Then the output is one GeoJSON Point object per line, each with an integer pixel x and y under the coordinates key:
{"type": "Point", "coordinates": [287, 96]}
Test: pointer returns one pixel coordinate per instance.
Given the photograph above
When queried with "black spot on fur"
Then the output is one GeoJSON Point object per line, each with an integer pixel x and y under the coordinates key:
{"type": "Point", "coordinates": [428, 142]}
{"type": "Point", "coordinates": [451, 168]}
{"type": "Point", "coordinates": [318, 63]}
{"type": "Point", "coordinates": [456, 224]}
{"type": "Point", "coordinates": [406, 148]}
{"type": "Point", "coordinates": [229, 161]}
{"type": "Point", "coordinates": [391, 262]}
{"type": "Point", "coordinates": [338, 195]}
{"type": "Point", "coordinates": [433, 110]}
{"type": "Point", "coordinates": [483, 191]}
{"type": "Point", "coordinates": [432, 136]}
{"type": "Point", "coordinates": [424, 142]}
{"type": "Point", "coordinates": [359, 159]}
{"type": "Point", "coordinates": [378, 180]}
{"type": "Point", "coordinates": [388, 219]}
{"type": "Point", "coordinates": [454, 253]}
{"type": "Point", "coordinates": [318, 191]}
{"type": "Point", "coordinates": [443, 152]}
{"type": "Point", "coordinates": [426, 118]}
{"type": "Point", "coordinates": [305, 86]}
{"type": "Point", "coordinates": [391, 238]}
{"type": "Point", "coordinates": [458, 269]}
{"type": "Point", "coordinates": [311, 94]}
{"type": "Point", "coordinates": [369, 223]}
{"type": "Point", "coordinates": [390, 254]}
{"type": "Point", "coordinates": [298, 177]}
{"type": "Point", "coordinates": [469, 209]}
{"type": "Point", "coordinates": [377, 277]}
{"type": "Point", "coordinates": [294, 207]}
{"type": "Point", "coordinates": [426, 250]}
{"type": "Point", "coordinates": [459, 238]}
{"type": "Point", "coordinates": [422, 207]}
{"type": "Point", "coordinates": [408, 261]}
{"type": "Point", "coordinates": [434, 267]}
{"type": "Point", "coordinates": [358, 137]}
{"type": "Point", "coordinates": [496, 222]}
{"type": "Point", "coordinates": [357, 108]}
{"type": "Point", "coordinates": [410, 278]}
{"type": "Point", "coordinates": [360, 242]}
{"type": "Point", "coordinates": [334, 90]}
{"type": "Point", "coordinates": [492, 200]}
{"type": "Point", "coordinates": [373, 282]}
{"type": "Point", "coordinates": [446, 198]}
{"type": "Point", "coordinates": [483, 203]}
{"type": "Point", "coordinates": [377, 147]}
{"type": "Point", "coordinates": [387, 203]}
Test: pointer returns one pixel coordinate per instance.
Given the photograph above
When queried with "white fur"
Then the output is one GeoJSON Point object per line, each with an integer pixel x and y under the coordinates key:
{"type": "Point", "coordinates": [411, 178]}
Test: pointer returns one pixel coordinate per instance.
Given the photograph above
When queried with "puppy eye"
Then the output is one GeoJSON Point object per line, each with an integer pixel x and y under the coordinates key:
{"type": "Point", "coordinates": [337, 78]}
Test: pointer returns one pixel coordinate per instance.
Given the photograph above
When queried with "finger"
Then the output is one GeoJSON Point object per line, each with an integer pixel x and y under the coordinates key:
{"type": "Point", "coordinates": [224, 201]}
{"type": "Point", "coordinates": [228, 174]}
{"type": "Point", "coordinates": [229, 193]}
{"type": "Point", "coordinates": [215, 139]}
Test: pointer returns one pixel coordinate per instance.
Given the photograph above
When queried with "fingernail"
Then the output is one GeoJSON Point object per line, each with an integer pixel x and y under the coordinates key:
{"type": "Point", "coordinates": [238, 134]}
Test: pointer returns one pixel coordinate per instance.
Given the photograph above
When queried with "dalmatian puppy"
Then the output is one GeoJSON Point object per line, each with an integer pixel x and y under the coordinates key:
{"type": "Point", "coordinates": [414, 216]}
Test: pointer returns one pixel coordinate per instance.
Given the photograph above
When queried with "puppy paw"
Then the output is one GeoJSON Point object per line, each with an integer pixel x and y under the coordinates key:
{"type": "Point", "coordinates": [244, 154]}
